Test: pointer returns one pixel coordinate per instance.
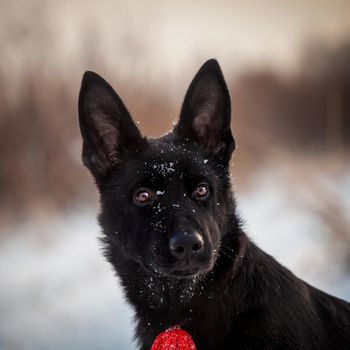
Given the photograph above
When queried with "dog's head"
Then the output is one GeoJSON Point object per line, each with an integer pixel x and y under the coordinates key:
{"type": "Point", "coordinates": [165, 202]}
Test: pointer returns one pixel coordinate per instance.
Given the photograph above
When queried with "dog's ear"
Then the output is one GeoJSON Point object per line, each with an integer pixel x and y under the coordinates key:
{"type": "Point", "coordinates": [106, 126]}
{"type": "Point", "coordinates": [206, 112]}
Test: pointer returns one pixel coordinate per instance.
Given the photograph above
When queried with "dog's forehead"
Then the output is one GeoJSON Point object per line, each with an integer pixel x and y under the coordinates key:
{"type": "Point", "coordinates": [168, 159]}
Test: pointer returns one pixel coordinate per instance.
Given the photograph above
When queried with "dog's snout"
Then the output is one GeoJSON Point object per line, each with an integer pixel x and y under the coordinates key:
{"type": "Point", "coordinates": [186, 244]}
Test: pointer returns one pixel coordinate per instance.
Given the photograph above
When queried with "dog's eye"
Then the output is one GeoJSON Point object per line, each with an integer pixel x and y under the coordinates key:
{"type": "Point", "coordinates": [143, 197]}
{"type": "Point", "coordinates": [201, 191]}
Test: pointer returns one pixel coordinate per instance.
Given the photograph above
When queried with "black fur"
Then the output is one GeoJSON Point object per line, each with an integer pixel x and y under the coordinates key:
{"type": "Point", "coordinates": [228, 294]}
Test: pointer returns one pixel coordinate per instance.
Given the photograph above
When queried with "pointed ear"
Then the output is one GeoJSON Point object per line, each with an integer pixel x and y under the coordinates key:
{"type": "Point", "coordinates": [105, 124]}
{"type": "Point", "coordinates": [206, 112]}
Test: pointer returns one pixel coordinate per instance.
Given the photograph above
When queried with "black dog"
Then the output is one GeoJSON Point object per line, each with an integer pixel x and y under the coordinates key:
{"type": "Point", "coordinates": [171, 231]}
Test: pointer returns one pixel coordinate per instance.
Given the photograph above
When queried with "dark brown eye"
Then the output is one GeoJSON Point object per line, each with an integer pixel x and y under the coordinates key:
{"type": "Point", "coordinates": [143, 197]}
{"type": "Point", "coordinates": [201, 191]}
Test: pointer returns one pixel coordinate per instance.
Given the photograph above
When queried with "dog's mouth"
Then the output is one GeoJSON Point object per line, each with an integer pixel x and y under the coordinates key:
{"type": "Point", "coordinates": [186, 273]}
{"type": "Point", "coordinates": [176, 271]}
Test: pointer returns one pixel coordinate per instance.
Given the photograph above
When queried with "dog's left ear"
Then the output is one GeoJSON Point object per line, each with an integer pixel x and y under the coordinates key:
{"type": "Point", "coordinates": [206, 112]}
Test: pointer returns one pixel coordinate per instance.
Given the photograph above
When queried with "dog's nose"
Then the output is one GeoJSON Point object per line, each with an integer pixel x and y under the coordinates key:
{"type": "Point", "coordinates": [186, 244]}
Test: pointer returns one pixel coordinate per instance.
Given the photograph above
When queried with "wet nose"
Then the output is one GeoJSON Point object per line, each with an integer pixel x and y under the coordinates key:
{"type": "Point", "coordinates": [185, 244]}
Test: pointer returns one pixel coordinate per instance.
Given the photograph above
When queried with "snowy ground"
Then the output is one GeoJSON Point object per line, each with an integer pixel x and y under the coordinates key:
{"type": "Point", "coordinates": [57, 292]}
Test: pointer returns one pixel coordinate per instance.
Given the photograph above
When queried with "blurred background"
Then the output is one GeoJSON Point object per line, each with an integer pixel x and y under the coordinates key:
{"type": "Point", "coordinates": [287, 65]}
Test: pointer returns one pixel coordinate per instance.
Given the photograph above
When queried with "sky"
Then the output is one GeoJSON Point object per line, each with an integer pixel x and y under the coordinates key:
{"type": "Point", "coordinates": [157, 41]}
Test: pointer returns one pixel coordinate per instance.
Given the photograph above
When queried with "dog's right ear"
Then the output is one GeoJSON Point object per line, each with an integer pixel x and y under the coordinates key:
{"type": "Point", "coordinates": [105, 124]}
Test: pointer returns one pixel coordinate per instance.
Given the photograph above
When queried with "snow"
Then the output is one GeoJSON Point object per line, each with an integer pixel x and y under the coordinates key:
{"type": "Point", "coordinates": [57, 291]}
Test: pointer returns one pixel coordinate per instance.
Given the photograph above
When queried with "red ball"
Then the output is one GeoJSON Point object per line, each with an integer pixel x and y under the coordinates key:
{"type": "Point", "coordinates": [173, 339]}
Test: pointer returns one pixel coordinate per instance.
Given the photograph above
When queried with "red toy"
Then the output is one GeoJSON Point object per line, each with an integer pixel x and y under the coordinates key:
{"type": "Point", "coordinates": [173, 339]}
